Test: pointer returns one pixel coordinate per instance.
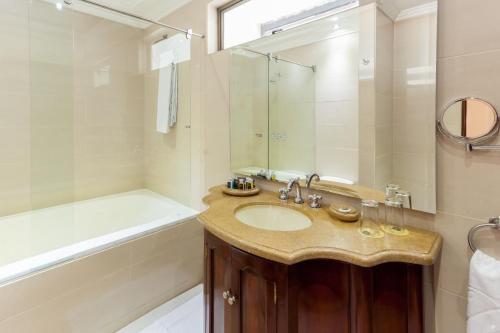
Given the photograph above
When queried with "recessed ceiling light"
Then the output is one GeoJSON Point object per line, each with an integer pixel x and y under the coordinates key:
{"type": "Point", "coordinates": [59, 5]}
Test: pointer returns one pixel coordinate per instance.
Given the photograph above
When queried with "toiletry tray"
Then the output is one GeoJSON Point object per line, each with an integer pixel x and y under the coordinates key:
{"type": "Point", "coordinates": [241, 193]}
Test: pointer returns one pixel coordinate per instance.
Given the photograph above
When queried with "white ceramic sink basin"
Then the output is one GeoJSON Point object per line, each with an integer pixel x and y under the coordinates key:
{"type": "Point", "coordinates": [271, 217]}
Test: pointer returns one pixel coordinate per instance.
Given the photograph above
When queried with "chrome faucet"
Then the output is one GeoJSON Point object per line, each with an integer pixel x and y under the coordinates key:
{"type": "Point", "coordinates": [310, 178]}
{"type": "Point", "coordinates": [314, 199]}
{"type": "Point", "coordinates": [295, 182]}
{"type": "Point", "coordinates": [284, 191]}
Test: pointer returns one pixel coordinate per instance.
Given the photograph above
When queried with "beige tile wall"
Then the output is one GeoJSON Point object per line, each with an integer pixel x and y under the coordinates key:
{"type": "Point", "coordinates": [248, 74]}
{"type": "Point", "coordinates": [192, 15]}
{"type": "Point", "coordinates": [367, 102]}
{"type": "Point", "coordinates": [108, 107]}
{"type": "Point", "coordinates": [72, 127]}
{"type": "Point", "coordinates": [383, 100]}
{"type": "Point", "coordinates": [51, 89]}
{"type": "Point", "coordinates": [15, 117]}
{"type": "Point", "coordinates": [414, 107]}
{"type": "Point", "coordinates": [292, 141]}
{"type": "Point", "coordinates": [71, 110]}
{"type": "Point", "coordinates": [467, 184]}
{"type": "Point", "coordinates": [467, 187]}
{"type": "Point", "coordinates": [105, 291]}
{"type": "Point", "coordinates": [167, 156]}
{"type": "Point", "coordinates": [336, 93]}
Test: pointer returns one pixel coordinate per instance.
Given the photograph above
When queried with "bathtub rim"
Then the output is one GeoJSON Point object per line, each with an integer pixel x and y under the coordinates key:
{"type": "Point", "coordinates": [23, 268]}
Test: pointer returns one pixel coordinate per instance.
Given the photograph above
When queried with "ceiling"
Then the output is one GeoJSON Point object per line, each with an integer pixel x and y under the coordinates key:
{"type": "Point", "coordinates": [395, 8]}
{"type": "Point", "coordinates": [151, 9]}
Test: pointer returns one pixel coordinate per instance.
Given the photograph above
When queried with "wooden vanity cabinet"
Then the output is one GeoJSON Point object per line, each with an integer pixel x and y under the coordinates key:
{"type": "Point", "coordinates": [313, 296]}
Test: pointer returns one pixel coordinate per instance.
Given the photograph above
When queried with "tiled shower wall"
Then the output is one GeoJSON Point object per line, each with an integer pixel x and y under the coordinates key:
{"type": "Point", "coordinates": [71, 106]}
{"type": "Point", "coordinates": [249, 96]}
{"type": "Point", "coordinates": [14, 108]}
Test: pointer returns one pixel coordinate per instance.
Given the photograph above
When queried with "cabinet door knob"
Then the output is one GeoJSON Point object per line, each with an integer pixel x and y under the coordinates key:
{"type": "Point", "coordinates": [226, 294]}
{"type": "Point", "coordinates": [232, 300]}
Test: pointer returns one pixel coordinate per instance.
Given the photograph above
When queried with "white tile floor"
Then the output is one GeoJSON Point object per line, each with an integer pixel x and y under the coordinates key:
{"type": "Point", "coordinates": [183, 314]}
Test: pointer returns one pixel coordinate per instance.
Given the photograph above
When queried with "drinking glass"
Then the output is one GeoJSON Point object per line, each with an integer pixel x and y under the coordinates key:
{"type": "Point", "coordinates": [370, 220]}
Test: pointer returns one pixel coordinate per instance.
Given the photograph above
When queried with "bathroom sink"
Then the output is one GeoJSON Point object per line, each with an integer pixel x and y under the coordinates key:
{"type": "Point", "coordinates": [272, 217]}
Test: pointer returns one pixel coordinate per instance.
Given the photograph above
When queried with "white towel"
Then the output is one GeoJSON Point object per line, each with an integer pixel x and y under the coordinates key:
{"type": "Point", "coordinates": [172, 108]}
{"type": "Point", "coordinates": [166, 116]}
{"type": "Point", "coordinates": [483, 310]}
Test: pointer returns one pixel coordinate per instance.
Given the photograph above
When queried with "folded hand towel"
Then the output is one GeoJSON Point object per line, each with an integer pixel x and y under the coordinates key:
{"type": "Point", "coordinates": [483, 310]}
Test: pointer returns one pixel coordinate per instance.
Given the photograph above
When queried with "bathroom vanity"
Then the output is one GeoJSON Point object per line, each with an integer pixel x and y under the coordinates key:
{"type": "Point", "coordinates": [325, 277]}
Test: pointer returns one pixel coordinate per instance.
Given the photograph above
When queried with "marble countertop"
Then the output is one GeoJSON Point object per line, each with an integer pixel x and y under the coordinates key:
{"type": "Point", "coordinates": [326, 238]}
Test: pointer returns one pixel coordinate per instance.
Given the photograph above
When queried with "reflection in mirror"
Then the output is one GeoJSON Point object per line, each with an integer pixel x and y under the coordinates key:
{"type": "Point", "coordinates": [249, 112]}
{"type": "Point", "coordinates": [349, 95]}
{"type": "Point", "coordinates": [469, 120]}
{"type": "Point", "coordinates": [291, 118]}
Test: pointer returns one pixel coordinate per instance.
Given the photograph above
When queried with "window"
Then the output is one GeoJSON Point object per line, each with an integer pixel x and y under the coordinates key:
{"type": "Point", "coordinates": [241, 21]}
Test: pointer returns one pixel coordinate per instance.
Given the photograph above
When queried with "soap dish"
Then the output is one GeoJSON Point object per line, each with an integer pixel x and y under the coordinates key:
{"type": "Point", "coordinates": [241, 193]}
{"type": "Point", "coordinates": [344, 213]}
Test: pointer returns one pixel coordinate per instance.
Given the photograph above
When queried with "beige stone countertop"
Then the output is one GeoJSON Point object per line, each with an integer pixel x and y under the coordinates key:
{"type": "Point", "coordinates": [326, 238]}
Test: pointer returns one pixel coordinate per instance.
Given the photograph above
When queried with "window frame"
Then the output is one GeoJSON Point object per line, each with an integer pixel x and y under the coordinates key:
{"type": "Point", "coordinates": [220, 20]}
{"type": "Point", "coordinates": [292, 20]}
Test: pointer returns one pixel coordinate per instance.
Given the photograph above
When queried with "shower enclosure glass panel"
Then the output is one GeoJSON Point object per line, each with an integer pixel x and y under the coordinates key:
{"type": "Point", "coordinates": [168, 156]}
{"type": "Point", "coordinates": [52, 93]}
{"type": "Point", "coordinates": [291, 119]}
{"type": "Point", "coordinates": [15, 115]}
{"type": "Point", "coordinates": [272, 116]}
{"type": "Point", "coordinates": [249, 98]}
{"type": "Point", "coordinates": [78, 112]}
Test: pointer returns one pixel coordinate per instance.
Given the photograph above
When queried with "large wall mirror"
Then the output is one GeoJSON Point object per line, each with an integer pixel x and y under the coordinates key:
{"type": "Point", "coordinates": [350, 95]}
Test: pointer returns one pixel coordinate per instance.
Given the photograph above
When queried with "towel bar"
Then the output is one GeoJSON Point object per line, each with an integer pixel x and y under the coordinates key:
{"type": "Point", "coordinates": [494, 222]}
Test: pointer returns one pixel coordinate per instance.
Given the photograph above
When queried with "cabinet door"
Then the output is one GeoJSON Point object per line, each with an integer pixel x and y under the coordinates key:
{"type": "Point", "coordinates": [217, 281]}
{"type": "Point", "coordinates": [320, 292]}
{"type": "Point", "coordinates": [259, 286]}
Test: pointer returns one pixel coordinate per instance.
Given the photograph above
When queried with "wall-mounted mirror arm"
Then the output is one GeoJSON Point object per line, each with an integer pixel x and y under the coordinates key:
{"type": "Point", "coordinates": [471, 147]}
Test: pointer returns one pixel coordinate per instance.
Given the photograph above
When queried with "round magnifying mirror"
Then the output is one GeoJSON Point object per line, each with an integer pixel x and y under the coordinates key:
{"type": "Point", "coordinates": [469, 120]}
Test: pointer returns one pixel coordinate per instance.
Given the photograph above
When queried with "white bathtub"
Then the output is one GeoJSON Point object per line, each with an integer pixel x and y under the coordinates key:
{"type": "Point", "coordinates": [38, 239]}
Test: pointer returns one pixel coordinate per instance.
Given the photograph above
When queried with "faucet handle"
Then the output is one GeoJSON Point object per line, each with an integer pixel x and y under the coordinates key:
{"type": "Point", "coordinates": [283, 193]}
{"type": "Point", "coordinates": [315, 200]}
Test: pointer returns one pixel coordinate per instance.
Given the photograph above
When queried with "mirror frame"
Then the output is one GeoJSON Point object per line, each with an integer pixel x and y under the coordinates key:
{"type": "Point", "coordinates": [461, 139]}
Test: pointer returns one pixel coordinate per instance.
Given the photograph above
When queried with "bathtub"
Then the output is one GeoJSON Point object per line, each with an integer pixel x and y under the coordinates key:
{"type": "Point", "coordinates": [36, 240]}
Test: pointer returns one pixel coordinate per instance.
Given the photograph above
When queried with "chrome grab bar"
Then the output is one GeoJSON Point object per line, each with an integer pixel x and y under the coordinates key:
{"type": "Point", "coordinates": [494, 223]}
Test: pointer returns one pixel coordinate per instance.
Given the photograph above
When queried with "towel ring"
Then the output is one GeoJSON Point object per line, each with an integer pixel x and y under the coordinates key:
{"type": "Point", "coordinates": [494, 222]}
